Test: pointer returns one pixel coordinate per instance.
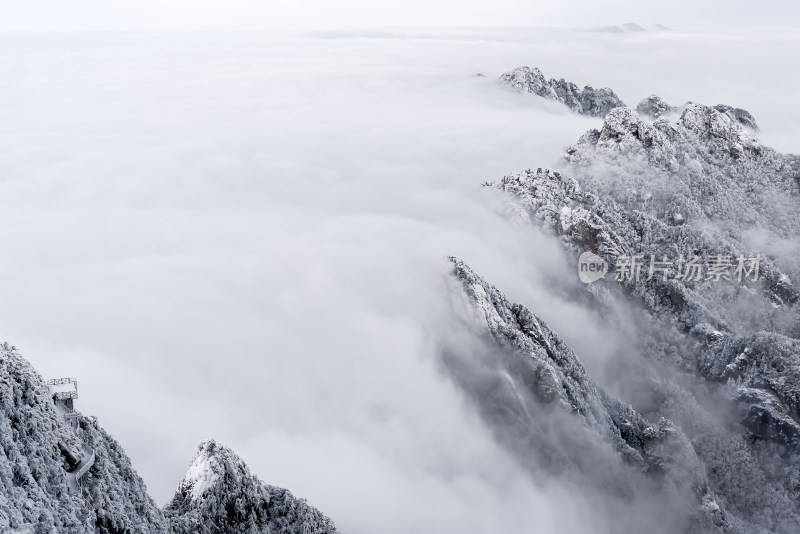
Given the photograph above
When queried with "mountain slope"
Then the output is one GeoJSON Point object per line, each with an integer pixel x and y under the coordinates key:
{"type": "Point", "coordinates": [536, 395]}
{"type": "Point", "coordinates": [38, 446]}
{"type": "Point", "coordinates": [220, 495]}
{"type": "Point", "coordinates": [718, 357]}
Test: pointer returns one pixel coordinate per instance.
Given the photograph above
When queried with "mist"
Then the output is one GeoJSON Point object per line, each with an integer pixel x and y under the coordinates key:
{"type": "Point", "coordinates": [238, 15]}
{"type": "Point", "coordinates": [242, 236]}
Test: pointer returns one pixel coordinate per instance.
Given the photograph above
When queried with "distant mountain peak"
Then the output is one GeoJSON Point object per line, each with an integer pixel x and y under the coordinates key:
{"type": "Point", "coordinates": [220, 494]}
{"type": "Point", "coordinates": [633, 27]}
{"type": "Point", "coordinates": [209, 464]}
{"type": "Point", "coordinates": [587, 101]}
{"type": "Point", "coordinates": [628, 27]}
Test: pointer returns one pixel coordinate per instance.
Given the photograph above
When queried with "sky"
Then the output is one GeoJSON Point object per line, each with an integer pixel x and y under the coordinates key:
{"type": "Point", "coordinates": [105, 15]}
{"type": "Point", "coordinates": [241, 236]}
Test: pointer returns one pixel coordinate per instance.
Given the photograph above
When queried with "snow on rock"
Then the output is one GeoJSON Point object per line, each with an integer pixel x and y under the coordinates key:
{"type": "Point", "coordinates": [586, 101]}
{"type": "Point", "coordinates": [655, 107]}
{"type": "Point", "coordinates": [542, 403]}
{"type": "Point", "coordinates": [697, 184]}
{"type": "Point", "coordinates": [555, 202]}
{"type": "Point", "coordinates": [201, 474]}
{"type": "Point", "coordinates": [39, 449]}
{"type": "Point", "coordinates": [219, 495]}
{"type": "Point", "coordinates": [39, 446]}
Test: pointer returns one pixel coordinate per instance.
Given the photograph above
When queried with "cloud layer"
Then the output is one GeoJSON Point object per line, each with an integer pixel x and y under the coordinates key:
{"type": "Point", "coordinates": [242, 237]}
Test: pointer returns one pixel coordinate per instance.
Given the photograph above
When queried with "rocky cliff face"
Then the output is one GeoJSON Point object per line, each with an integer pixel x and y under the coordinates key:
{"type": "Point", "coordinates": [655, 107]}
{"type": "Point", "coordinates": [220, 495]}
{"type": "Point", "coordinates": [543, 405]}
{"type": "Point", "coordinates": [38, 447]}
{"type": "Point", "coordinates": [586, 101]}
{"type": "Point", "coordinates": [717, 357]}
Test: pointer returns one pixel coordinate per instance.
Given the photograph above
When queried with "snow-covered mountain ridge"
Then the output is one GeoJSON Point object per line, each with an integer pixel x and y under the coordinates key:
{"type": "Point", "coordinates": [586, 101]}
{"type": "Point", "coordinates": [218, 495]}
{"type": "Point", "coordinates": [717, 363]}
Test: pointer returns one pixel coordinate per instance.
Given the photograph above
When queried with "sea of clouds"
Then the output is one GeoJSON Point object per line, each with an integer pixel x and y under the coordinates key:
{"type": "Point", "coordinates": [242, 236]}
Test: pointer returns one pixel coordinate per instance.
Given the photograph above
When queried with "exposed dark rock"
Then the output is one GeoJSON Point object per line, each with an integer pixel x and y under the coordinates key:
{"type": "Point", "coordinates": [599, 442]}
{"type": "Point", "coordinates": [586, 101]}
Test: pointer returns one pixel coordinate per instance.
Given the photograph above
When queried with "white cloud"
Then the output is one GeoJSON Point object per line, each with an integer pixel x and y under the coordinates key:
{"type": "Point", "coordinates": [242, 237]}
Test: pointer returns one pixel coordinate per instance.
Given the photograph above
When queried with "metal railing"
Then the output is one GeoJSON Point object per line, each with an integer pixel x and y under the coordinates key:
{"type": "Point", "coordinates": [64, 395]}
{"type": "Point", "coordinates": [88, 458]}
{"type": "Point", "coordinates": [59, 381]}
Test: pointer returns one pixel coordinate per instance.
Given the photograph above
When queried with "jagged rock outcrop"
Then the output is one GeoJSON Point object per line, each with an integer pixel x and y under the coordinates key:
{"type": "Point", "coordinates": [586, 101]}
{"type": "Point", "coordinates": [700, 185]}
{"type": "Point", "coordinates": [599, 441]}
{"type": "Point", "coordinates": [38, 446]}
{"type": "Point", "coordinates": [762, 372]}
{"type": "Point", "coordinates": [703, 182]}
{"type": "Point", "coordinates": [655, 107]}
{"type": "Point", "coordinates": [219, 495]}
